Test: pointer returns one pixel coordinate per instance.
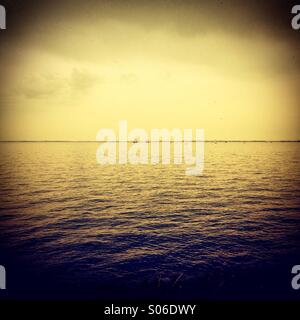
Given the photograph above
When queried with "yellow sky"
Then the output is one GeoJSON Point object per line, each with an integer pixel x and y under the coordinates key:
{"type": "Point", "coordinates": [68, 78]}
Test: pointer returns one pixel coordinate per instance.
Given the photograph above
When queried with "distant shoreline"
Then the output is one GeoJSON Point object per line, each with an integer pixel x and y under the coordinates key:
{"type": "Point", "coordinates": [206, 141]}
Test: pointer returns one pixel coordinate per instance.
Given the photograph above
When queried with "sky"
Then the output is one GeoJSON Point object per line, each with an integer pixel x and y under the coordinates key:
{"type": "Point", "coordinates": [70, 68]}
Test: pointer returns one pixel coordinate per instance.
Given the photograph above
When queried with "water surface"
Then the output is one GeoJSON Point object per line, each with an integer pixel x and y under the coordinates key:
{"type": "Point", "coordinates": [71, 227]}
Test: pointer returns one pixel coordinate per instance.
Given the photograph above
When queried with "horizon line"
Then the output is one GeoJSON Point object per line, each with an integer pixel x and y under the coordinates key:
{"type": "Point", "coordinates": [172, 141]}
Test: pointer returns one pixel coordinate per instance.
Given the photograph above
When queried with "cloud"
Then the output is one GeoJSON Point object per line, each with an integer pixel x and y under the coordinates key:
{"type": "Point", "coordinates": [81, 81]}
{"type": "Point", "coordinates": [100, 31]}
{"type": "Point", "coordinates": [52, 85]}
{"type": "Point", "coordinates": [40, 86]}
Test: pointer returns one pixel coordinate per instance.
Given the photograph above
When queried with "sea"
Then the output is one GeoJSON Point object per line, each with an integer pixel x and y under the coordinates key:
{"type": "Point", "coordinates": [73, 228]}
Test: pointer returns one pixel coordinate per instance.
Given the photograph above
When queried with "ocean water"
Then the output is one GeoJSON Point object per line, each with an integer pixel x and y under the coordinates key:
{"type": "Point", "coordinates": [70, 227]}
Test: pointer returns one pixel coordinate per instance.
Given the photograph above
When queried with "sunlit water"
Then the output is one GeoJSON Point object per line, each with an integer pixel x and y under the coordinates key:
{"type": "Point", "coordinates": [69, 226]}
